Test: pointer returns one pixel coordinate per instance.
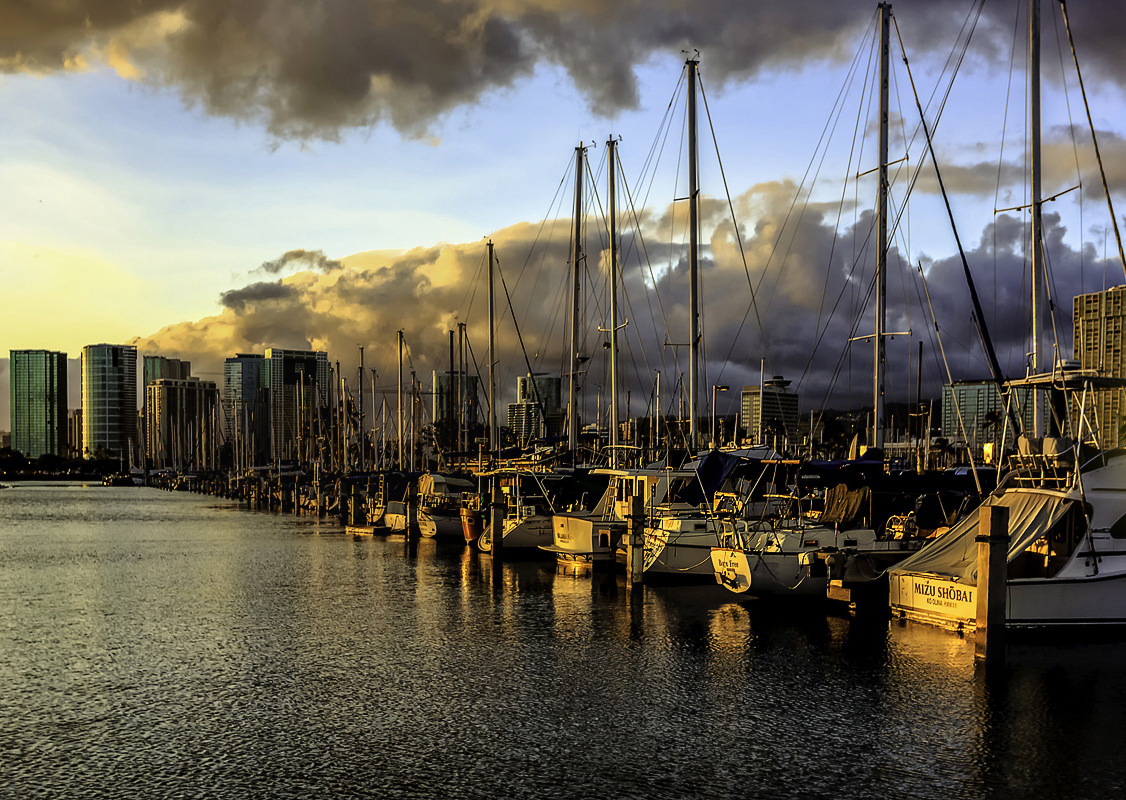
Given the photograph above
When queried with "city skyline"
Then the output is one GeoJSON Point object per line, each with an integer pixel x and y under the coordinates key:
{"type": "Point", "coordinates": [147, 211]}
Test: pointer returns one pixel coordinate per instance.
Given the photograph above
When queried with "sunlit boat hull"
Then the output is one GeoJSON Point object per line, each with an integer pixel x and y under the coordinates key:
{"type": "Point", "coordinates": [584, 539]}
{"type": "Point", "coordinates": [531, 533]}
{"type": "Point", "coordinates": [471, 527]}
{"type": "Point", "coordinates": [763, 574]}
{"type": "Point", "coordinates": [395, 516]}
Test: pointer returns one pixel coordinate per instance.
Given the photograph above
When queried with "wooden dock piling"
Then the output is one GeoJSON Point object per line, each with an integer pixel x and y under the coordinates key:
{"type": "Point", "coordinates": [496, 516]}
{"type": "Point", "coordinates": [412, 531]}
{"type": "Point", "coordinates": [992, 568]}
{"type": "Point", "coordinates": [635, 554]}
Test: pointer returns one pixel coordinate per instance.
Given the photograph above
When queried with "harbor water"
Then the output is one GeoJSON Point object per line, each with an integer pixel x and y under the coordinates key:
{"type": "Point", "coordinates": [159, 644]}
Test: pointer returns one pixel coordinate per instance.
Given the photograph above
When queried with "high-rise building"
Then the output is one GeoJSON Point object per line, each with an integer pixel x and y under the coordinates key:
{"type": "Point", "coordinates": [540, 388]}
{"type": "Point", "coordinates": [523, 422]}
{"type": "Point", "coordinates": [537, 411]}
{"type": "Point", "coordinates": [246, 408]}
{"type": "Point", "coordinates": [769, 413]}
{"type": "Point", "coordinates": [182, 423]}
{"type": "Point", "coordinates": [38, 402]}
{"type": "Point", "coordinates": [297, 386]}
{"type": "Point", "coordinates": [441, 397]}
{"type": "Point", "coordinates": [109, 400]}
{"type": "Point", "coordinates": [156, 367]}
{"type": "Point", "coordinates": [1100, 344]}
{"type": "Point", "coordinates": [983, 413]}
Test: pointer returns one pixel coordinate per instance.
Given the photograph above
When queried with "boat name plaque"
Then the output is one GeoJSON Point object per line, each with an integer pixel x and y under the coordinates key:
{"type": "Point", "coordinates": [937, 595]}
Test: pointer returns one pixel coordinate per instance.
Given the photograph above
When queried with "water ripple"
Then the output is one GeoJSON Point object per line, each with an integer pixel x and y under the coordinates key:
{"type": "Point", "coordinates": [168, 645]}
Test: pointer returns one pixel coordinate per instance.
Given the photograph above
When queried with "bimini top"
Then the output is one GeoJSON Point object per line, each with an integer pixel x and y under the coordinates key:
{"type": "Point", "coordinates": [1032, 512]}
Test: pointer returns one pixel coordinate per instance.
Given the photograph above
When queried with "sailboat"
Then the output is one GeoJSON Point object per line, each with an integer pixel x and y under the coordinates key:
{"type": "Point", "coordinates": [580, 534]}
{"type": "Point", "coordinates": [530, 499]}
{"type": "Point", "coordinates": [779, 557]}
{"type": "Point", "coordinates": [718, 491]}
{"type": "Point", "coordinates": [1065, 500]}
{"type": "Point", "coordinates": [439, 504]}
{"type": "Point", "coordinates": [594, 535]}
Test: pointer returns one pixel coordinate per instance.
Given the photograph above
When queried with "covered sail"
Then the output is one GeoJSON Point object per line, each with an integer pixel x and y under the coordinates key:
{"type": "Point", "coordinates": [1032, 512]}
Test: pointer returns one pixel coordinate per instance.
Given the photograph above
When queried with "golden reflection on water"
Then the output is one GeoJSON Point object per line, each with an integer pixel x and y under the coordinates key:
{"type": "Point", "coordinates": [730, 626]}
{"type": "Point", "coordinates": [167, 647]}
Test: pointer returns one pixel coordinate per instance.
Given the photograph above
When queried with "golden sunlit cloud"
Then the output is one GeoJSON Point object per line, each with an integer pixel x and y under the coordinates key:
{"type": "Point", "coordinates": [116, 56]}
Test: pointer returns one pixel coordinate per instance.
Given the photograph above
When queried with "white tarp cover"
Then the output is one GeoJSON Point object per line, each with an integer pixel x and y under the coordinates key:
{"type": "Point", "coordinates": [954, 553]}
{"type": "Point", "coordinates": [441, 484]}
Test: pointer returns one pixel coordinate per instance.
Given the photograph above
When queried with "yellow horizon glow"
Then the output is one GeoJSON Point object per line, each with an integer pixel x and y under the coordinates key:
{"type": "Point", "coordinates": [64, 299]}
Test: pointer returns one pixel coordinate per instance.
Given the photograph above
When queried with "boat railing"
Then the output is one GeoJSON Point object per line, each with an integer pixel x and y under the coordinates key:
{"type": "Point", "coordinates": [437, 502]}
{"type": "Point", "coordinates": [1043, 470]}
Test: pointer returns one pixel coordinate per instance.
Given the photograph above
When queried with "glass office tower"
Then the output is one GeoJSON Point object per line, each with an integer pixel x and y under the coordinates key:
{"type": "Point", "coordinates": [245, 410]}
{"type": "Point", "coordinates": [38, 402]}
{"type": "Point", "coordinates": [109, 400]}
{"type": "Point", "coordinates": [297, 386]}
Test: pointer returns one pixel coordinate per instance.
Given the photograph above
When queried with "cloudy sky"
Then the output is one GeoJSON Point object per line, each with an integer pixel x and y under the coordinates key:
{"type": "Point", "coordinates": [206, 177]}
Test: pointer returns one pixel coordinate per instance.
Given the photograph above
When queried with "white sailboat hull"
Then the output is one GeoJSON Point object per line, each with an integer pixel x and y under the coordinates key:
{"type": "Point", "coordinates": [395, 516]}
{"type": "Point", "coordinates": [584, 539]}
{"type": "Point", "coordinates": [774, 574]}
{"type": "Point", "coordinates": [1083, 601]}
{"type": "Point", "coordinates": [439, 524]}
{"type": "Point", "coordinates": [778, 562]}
{"type": "Point", "coordinates": [685, 554]}
{"type": "Point", "coordinates": [531, 533]}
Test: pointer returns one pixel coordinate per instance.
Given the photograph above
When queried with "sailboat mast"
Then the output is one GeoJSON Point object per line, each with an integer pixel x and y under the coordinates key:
{"type": "Point", "coordinates": [880, 355]}
{"type": "Point", "coordinates": [572, 378]}
{"type": "Point", "coordinates": [450, 428]}
{"type": "Point", "coordinates": [493, 445]}
{"type": "Point", "coordinates": [1037, 203]}
{"type": "Point", "coordinates": [360, 407]}
{"type": "Point", "coordinates": [375, 456]}
{"type": "Point", "coordinates": [462, 439]}
{"type": "Point", "coordinates": [612, 160]}
{"type": "Point", "coordinates": [693, 259]}
{"type": "Point", "coordinates": [400, 400]}
{"type": "Point", "coordinates": [344, 460]}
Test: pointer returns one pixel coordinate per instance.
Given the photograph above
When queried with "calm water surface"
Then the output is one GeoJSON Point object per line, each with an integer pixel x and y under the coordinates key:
{"type": "Point", "coordinates": [171, 645]}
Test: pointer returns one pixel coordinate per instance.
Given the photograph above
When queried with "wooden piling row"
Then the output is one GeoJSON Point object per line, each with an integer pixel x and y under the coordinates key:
{"type": "Point", "coordinates": [283, 495]}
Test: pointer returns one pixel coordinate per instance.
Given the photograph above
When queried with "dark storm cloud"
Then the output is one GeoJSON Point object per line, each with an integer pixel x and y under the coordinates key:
{"type": "Point", "coordinates": [309, 259]}
{"type": "Point", "coordinates": [811, 295]}
{"type": "Point", "coordinates": [256, 294]}
{"type": "Point", "coordinates": [309, 68]}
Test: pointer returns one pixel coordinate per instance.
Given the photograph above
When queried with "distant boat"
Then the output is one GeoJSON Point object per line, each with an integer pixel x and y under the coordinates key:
{"type": "Point", "coordinates": [529, 504]}
{"type": "Point", "coordinates": [391, 502]}
{"type": "Point", "coordinates": [439, 504]}
{"type": "Point", "coordinates": [594, 535]}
